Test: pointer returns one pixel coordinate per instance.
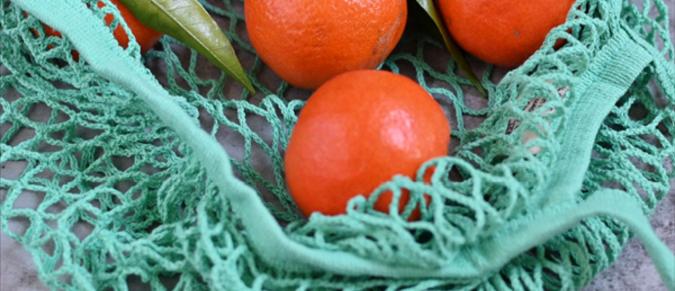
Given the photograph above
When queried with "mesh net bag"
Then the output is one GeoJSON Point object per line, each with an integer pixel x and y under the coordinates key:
{"type": "Point", "coordinates": [175, 176]}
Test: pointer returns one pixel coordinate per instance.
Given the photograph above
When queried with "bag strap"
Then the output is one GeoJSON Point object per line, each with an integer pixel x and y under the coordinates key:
{"type": "Point", "coordinates": [609, 76]}
{"type": "Point", "coordinates": [98, 47]}
{"type": "Point", "coordinates": [536, 229]}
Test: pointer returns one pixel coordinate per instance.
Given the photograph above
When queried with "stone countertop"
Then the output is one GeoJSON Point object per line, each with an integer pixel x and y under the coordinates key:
{"type": "Point", "coordinates": [632, 271]}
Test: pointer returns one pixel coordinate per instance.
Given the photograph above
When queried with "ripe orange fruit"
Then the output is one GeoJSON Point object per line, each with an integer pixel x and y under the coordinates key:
{"type": "Point", "coordinates": [357, 131]}
{"type": "Point", "coordinates": [145, 36]}
{"type": "Point", "coordinates": [504, 32]}
{"type": "Point", "coordinates": [307, 42]}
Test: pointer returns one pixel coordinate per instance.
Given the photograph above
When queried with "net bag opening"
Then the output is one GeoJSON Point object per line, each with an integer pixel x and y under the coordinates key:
{"type": "Point", "coordinates": [176, 175]}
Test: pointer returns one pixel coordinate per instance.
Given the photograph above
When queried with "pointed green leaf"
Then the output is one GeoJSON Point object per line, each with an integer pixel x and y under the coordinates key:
{"type": "Point", "coordinates": [456, 54]}
{"type": "Point", "coordinates": [188, 22]}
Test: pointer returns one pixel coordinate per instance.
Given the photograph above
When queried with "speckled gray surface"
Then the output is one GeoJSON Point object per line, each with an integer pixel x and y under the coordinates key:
{"type": "Point", "coordinates": [632, 271]}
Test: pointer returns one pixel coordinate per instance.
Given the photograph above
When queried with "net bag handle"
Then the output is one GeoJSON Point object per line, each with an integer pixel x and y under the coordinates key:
{"type": "Point", "coordinates": [609, 78]}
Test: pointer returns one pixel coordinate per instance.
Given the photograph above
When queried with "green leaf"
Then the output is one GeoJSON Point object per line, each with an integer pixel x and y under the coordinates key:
{"type": "Point", "coordinates": [455, 52]}
{"type": "Point", "coordinates": [188, 22]}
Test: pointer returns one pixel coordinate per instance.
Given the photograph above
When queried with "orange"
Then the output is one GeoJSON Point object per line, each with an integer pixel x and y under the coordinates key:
{"type": "Point", "coordinates": [503, 32]}
{"type": "Point", "coordinates": [357, 131]}
{"type": "Point", "coordinates": [145, 36]}
{"type": "Point", "coordinates": [307, 42]}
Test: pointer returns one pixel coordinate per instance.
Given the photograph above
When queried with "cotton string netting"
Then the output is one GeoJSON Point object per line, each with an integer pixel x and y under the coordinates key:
{"type": "Point", "coordinates": [130, 177]}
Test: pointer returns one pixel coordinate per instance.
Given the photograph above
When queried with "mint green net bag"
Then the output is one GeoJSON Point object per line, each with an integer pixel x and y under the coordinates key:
{"type": "Point", "coordinates": [541, 196]}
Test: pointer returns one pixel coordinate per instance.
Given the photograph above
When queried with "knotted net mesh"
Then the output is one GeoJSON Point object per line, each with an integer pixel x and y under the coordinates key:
{"type": "Point", "coordinates": [114, 194]}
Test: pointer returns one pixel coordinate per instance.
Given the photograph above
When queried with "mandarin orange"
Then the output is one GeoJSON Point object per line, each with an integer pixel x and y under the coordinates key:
{"type": "Point", "coordinates": [145, 36]}
{"type": "Point", "coordinates": [502, 32]}
{"type": "Point", "coordinates": [307, 42]}
{"type": "Point", "coordinates": [357, 131]}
